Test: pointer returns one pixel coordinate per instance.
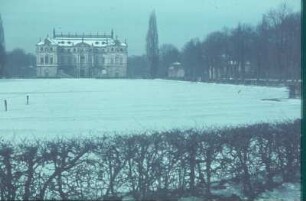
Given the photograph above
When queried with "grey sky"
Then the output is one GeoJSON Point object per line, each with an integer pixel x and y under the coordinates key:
{"type": "Point", "coordinates": [178, 20]}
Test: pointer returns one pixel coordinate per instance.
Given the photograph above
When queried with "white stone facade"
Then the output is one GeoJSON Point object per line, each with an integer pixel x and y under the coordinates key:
{"type": "Point", "coordinates": [81, 56]}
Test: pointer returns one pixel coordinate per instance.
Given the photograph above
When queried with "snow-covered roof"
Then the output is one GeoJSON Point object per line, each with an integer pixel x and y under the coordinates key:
{"type": "Point", "coordinates": [96, 41]}
{"type": "Point", "coordinates": [176, 63]}
{"type": "Point", "coordinates": [47, 41]}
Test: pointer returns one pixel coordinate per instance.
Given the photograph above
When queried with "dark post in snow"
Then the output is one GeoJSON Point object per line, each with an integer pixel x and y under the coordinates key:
{"type": "Point", "coordinates": [5, 105]}
{"type": "Point", "coordinates": [291, 91]}
{"type": "Point", "coordinates": [27, 99]}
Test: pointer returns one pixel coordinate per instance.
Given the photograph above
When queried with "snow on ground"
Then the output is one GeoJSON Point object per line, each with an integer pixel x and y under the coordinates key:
{"type": "Point", "coordinates": [286, 192]}
{"type": "Point", "coordinates": [69, 107]}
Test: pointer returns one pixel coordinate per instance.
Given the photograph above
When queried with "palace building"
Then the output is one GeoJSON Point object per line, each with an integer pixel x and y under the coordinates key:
{"type": "Point", "coordinates": [73, 55]}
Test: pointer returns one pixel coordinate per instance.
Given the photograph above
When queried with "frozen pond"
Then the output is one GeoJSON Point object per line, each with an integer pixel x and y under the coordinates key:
{"type": "Point", "coordinates": [67, 107]}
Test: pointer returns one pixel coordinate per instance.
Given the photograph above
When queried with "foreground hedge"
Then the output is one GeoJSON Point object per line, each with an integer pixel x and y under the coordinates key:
{"type": "Point", "coordinates": [156, 166]}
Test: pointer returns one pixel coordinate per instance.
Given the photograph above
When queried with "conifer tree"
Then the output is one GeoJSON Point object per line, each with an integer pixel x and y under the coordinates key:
{"type": "Point", "coordinates": [152, 46]}
{"type": "Point", "coordinates": [2, 49]}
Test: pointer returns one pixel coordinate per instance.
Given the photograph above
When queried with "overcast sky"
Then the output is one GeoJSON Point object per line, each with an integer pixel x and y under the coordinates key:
{"type": "Point", "coordinates": [26, 21]}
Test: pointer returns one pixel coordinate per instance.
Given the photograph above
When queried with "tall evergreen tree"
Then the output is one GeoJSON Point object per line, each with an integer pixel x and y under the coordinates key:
{"type": "Point", "coordinates": [2, 49]}
{"type": "Point", "coordinates": [152, 46]}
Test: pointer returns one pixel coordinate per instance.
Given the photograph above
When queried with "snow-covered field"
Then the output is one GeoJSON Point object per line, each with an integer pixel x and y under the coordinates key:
{"type": "Point", "coordinates": [69, 107]}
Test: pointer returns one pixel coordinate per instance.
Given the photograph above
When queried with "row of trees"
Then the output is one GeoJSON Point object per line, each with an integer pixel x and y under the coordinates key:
{"type": "Point", "coordinates": [15, 63]}
{"type": "Point", "coordinates": [272, 49]}
{"type": "Point", "coordinates": [154, 166]}
{"type": "Point", "coordinates": [20, 64]}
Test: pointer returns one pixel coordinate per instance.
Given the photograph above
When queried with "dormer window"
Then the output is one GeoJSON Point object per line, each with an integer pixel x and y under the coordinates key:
{"type": "Point", "coordinates": [96, 43]}
{"type": "Point", "coordinates": [69, 42]}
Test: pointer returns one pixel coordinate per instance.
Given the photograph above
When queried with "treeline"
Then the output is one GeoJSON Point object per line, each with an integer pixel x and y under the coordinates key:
{"type": "Point", "coordinates": [270, 50]}
{"type": "Point", "coordinates": [15, 63]}
{"type": "Point", "coordinates": [19, 64]}
{"type": "Point", "coordinates": [156, 166]}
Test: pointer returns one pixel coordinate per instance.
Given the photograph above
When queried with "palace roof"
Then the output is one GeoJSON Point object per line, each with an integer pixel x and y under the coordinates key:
{"type": "Point", "coordinates": [68, 40]}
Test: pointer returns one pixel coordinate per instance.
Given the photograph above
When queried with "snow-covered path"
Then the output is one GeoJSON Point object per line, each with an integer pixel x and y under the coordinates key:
{"type": "Point", "coordinates": [68, 107]}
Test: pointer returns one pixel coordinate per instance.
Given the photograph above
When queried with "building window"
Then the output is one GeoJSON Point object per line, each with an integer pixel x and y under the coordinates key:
{"type": "Point", "coordinates": [112, 61]}
{"type": "Point", "coordinates": [82, 58]}
{"type": "Point", "coordinates": [46, 59]}
{"type": "Point", "coordinates": [51, 60]}
{"type": "Point", "coordinates": [117, 60]}
{"type": "Point", "coordinates": [46, 49]}
{"type": "Point", "coordinates": [41, 60]}
{"type": "Point", "coordinates": [41, 49]}
{"type": "Point", "coordinates": [51, 49]}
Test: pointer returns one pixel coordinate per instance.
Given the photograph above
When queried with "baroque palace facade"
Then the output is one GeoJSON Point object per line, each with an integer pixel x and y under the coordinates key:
{"type": "Point", "coordinates": [81, 56]}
